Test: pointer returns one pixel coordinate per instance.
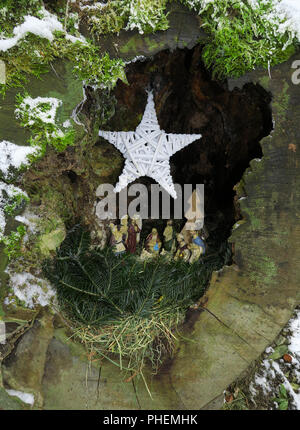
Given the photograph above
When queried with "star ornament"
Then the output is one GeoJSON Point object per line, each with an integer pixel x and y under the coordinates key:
{"type": "Point", "coordinates": [148, 150]}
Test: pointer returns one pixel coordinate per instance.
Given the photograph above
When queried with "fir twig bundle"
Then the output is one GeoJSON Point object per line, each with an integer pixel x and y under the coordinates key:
{"type": "Point", "coordinates": [123, 309]}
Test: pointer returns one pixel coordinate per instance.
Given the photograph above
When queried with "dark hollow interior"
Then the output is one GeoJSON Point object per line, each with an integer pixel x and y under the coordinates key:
{"type": "Point", "coordinates": [187, 100]}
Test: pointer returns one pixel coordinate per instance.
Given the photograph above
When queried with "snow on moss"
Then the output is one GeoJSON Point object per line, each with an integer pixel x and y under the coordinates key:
{"type": "Point", "coordinates": [13, 157]}
{"type": "Point", "coordinates": [24, 397]}
{"type": "Point", "coordinates": [40, 108]}
{"type": "Point", "coordinates": [273, 370]}
{"type": "Point", "coordinates": [291, 8]}
{"type": "Point", "coordinates": [30, 290]}
{"type": "Point", "coordinates": [43, 27]}
{"type": "Point", "coordinates": [147, 16]}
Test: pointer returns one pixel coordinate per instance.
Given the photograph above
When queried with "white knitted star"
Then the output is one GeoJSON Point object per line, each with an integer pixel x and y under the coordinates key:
{"type": "Point", "coordinates": [147, 150]}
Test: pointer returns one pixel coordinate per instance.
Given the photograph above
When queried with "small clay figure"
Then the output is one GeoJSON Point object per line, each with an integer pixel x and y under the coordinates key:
{"type": "Point", "coordinates": [117, 239]}
{"type": "Point", "coordinates": [197, 247]}
{"type": "Point", "coordinates": [153, 242]}
{"type": "Point", "coordinates": [169, 237]}
{"type": "Point", "coordinates": [101, 235]}
{"type": "Point", "coordinates": [124, 227]}
{"type": "Point", "coordinates": [137, 222]}
{"type": "Point", "coordinates": [133, 232]}
{"type": "Point", "coordinates": [183, 249]}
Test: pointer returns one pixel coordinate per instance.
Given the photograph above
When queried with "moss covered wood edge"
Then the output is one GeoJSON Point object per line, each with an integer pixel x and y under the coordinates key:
{"type": "Point", "coordinates": [241, 36]}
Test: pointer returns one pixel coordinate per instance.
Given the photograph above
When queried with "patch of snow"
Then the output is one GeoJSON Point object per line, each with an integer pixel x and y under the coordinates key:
{"type": "Point", "coordinates": [30, 289]}
{"type": "Point", "coordinates": [29, 219]}
{"type": "Point", "coordinates": [271, 373]}
{"type": "Point", "coordinates": [295, 396]}
{"type": "Point", "coordinates": [291, 8]}
{"type": "Point", "coordinates": [25, 397]}
{"type": "Point", "coordinates": [42, 108]}
{"type": "Point", "coordinates": [44, 27]}
{"type": "Point", "coordinates": [294, 326]}
{"type": "Point", "coordinates": [12, 155]}
{"type": "Point", "coordinates": [75, 39]}
{"type": "Point", "coordinates": [137, 58]}
{"type": "Point", "coordinates": [95, 6]}
{"type": "Point", "coordinates": [67, 124]}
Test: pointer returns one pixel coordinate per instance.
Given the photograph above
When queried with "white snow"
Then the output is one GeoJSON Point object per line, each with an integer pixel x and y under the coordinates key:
{"type": "Point", "coordinates": [43, 27]}
{"type": "Point", "coordinates": [29, 219]}
{"type": "Point", "coordinates": [37, 109]}
{"type": "Point", "coordinates": [30, 289]}
{"type": "Point", "coordinates": [95, 6]}
{"type": "Point", "coordinates": [291, 8]}
{"type": "Point", "coordinates": [12, 155]}
{"type": "Point", "coordinates": [294, 326]}
{"type": "Point", "coordinates": [25, 397]}
{"type": "Point", "coordinates": [7, 191]}
{"type": "Point", "coordinates": [75, 39]}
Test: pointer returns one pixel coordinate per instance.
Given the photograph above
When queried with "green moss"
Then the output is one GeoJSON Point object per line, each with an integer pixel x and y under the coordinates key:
{"type": "Point", "coordinates": [15, 202]}
{"type": "Point", "coordinates": [33, 56]}
{"type": "Point", "coordinates": [135, 44]}
{"type": "Point", "coordinates": [242, 37]}
{"type": "Point", "coordinates": [280, 106]}
{"type": "Point", "coordinates": [95, 69]}
{"type": "Point", "coordinates": [12, 243]}
{"type": "Point", "coordinates": [12, 12]}
{"type": "Point", "coordinates": [264, 271]}
{"type": "Point", "coordinates": [147, 16]}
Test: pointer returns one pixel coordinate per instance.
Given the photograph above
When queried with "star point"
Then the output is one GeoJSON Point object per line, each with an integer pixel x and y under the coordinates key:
{"type": "Point", "coordinates": [148, 149]}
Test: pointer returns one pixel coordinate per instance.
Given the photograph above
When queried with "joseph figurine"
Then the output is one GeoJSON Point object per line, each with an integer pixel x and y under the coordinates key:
{"type": "Point", "coordinates": [133, 231]}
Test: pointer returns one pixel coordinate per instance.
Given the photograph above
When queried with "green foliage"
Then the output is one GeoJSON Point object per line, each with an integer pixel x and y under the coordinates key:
{"type": "Point", "coordinates": [122, 305]}
{"type": "Point", "coordinates": [39, 116]}
{"type": "Point", "coordinates": [109, 19]}
{"type": "Point", "coordinates": [147, 16]}
{"type": "Point", "coordinates": [242, 36]}
{"type": "Point", "coordinates": [279, 351]}
{"type": "Point", "coordinates": [33, 56]}
{"type": "Point", "coordinates": [15, 202]}
{"type": "Point", "coordinates": [282, 399]}
{"type": "Point", "coordinates": [12, 243]}
{"type": "Point", "coordinates": [95, 69]}
{"type": "Point", "coordinates": [12, 12]}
